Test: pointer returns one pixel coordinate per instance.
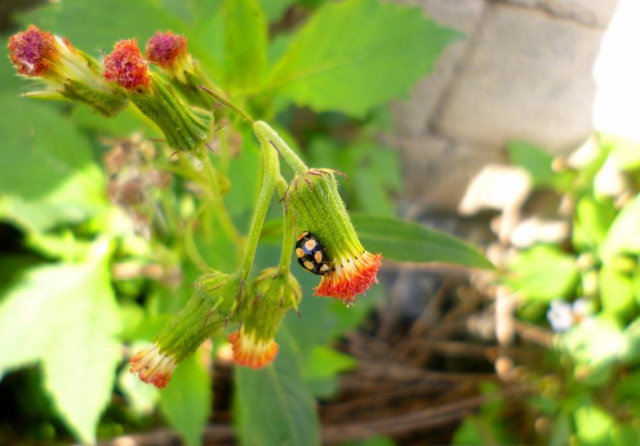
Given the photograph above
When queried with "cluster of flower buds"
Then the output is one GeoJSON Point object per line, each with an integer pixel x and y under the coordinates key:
{"type": "Point", "coordinates": [182, 107]}
{"type": "Point", "coordinates": [66, 72]}
{"type": "Point", "coordinates": [123, 76]}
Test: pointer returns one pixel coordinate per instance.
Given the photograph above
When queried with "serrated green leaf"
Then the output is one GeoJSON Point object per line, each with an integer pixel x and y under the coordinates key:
{"type": "Point", "coordinates": [245, 42]}
{"type": "Point", "coordinates": [543, 273]}
{"type": "Point", "coordinates": [356, 54]}
{"type": "Point", "coordinates": [186, 401]}
{"type": "Point", "coordinates": [410, 242]}
{"type": "Point", "coordinates": [273, 406]}
{"type": "Point", "coordinates": [65, 316]}
{"type": "Point", "coordinates": [48, 175]}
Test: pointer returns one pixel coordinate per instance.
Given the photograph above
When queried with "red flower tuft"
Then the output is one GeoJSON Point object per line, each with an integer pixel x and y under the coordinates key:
{"type": "Point", "coordinates": [32, 51]}
{"type": "Point", "coordinates": [165, 48]}
{"type": "Point", "coordinates": [250, 352]}
{"type": "Point", "coordinates": [152, 366]}
{"type": "Point", "coordinates": [350, 277]}
{"type": "Point", "coordinates": [126, 67]}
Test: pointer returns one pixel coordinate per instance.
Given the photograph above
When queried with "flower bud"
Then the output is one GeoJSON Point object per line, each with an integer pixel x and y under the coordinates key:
{"type": "Point", "coordinates": [314, 195]}
{"type": "Point", "coordinates": [68, 73]}
{"type": "Point", "coordinates": [169, 52]}
{"type": "Point", "coordinates": [214, 303]}
{"type": "Point", "coordinates": [273, 295]}
{"type": "Point", "coordinates": [186, 128]}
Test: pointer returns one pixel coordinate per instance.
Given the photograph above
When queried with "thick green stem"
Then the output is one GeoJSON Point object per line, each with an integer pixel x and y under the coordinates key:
{"type": "Point", "coordinates": [271, 137]}
{"type": "Point", "coordinates": [270, 173]}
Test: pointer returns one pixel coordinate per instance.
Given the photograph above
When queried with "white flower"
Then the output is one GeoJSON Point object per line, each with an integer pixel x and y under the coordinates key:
{"type": "Point", "coordinates": [562, 315]}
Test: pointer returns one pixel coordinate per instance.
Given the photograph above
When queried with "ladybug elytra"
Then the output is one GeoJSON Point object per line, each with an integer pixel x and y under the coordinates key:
{"type": "Point", "coordinates": [311, 254]}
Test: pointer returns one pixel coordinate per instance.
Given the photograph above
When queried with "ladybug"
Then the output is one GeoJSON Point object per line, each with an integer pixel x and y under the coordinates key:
{"type": "Point", "coordinates": [311, 255]}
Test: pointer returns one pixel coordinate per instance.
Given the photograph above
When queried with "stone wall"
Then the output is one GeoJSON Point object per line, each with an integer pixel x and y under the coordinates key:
{"type": "Point", "coordinates": [523, 72]}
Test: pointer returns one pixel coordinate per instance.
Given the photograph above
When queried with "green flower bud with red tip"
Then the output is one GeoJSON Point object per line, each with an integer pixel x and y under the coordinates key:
{"type": "Point", "coordinates": [169, 52]}
{"type": "Point", "coordinates": [185, 128]}
{"type": "Point", "coordinates": [213, 305]}
{"type": "Point", "coordinates": [274, 293]}
{"type": "Point", "coordinates": [66, 72]}
{"type": "Point", "coordinates": [313, 193]}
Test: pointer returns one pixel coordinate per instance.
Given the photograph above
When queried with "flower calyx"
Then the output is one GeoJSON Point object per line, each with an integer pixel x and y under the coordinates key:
{"type": "Point", "coordinates": [273, 294]}
{"type": "Point", "coordinates": [169, 51]}
{"type": "Point", "coordinates": [314, 195]}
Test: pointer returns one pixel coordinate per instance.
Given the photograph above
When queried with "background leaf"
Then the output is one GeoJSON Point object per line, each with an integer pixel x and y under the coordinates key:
{"type": "Point", "coordinates": [273, 405]}
{"type": "Point", "coordinates": [543, 273]}
{"type": "Point", "coordinates": [186, 401]}
{"type": "Point", "coordinates": [245, 42]}
{"type": "Point", "coordinates": [356, 54]}
{"type": "Point", "coordinates": [410, 242]}
{"type": "Point", "coordinates": [66, 317]}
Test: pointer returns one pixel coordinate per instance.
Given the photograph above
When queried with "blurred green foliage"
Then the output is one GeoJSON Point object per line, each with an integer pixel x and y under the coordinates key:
{"type": "Point", "coordinates": [588, 287]}
{"type": "Point", "coordinates": [96, 272]}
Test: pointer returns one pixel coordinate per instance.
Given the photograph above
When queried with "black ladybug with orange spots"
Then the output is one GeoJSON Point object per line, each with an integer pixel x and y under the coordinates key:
{"type": "Point", "coordinates": [311, 254]}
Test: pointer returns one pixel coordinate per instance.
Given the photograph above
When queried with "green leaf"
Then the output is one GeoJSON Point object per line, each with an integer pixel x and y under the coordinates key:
{"type": "Point", "coordinates": [594, 426]}
{"type": "Point", "coordinates": [592, 220]}
{"type": "Point", "coordinates": [356, 54]}
{"type": "Point", "coordinates": [65, 316]}
{"type": "Point", "coordinates": [274, 9]}
{"type": "Point", "coordinates": [322, 369]}
{"type": "Point", "coordinates": [273, 406]}
{"type": "Point", "coordinates": [245, 42]}
{"type": "Point", "coordinates": [543, 273]}
{"type": "Point", "coordinates": [375, 441]}
{"type": "Point", "coordinates": [624, 235]}
{"type": "Point", "coordinates": [186, 401]}
{"type": "Point", "coordinates": [410, 242]}
{"type": "Point", "coordinates": [48, 175]}
{"type": "Point", "coordinates": [538, 163]}
{"type": "Point", "coordinates": [625, 152]}
{"type": "Point", "coordinates": [616, 293]}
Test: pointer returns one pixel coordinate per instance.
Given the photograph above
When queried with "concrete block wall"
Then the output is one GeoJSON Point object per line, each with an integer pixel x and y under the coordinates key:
{"type": "Point", "coordinates": [523, 72]}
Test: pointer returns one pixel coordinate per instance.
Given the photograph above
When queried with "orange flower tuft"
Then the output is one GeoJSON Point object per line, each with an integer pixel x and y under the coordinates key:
{"type": "Point", "coordinates": [350, 276]}
{"type": "Point", "coordinates": [248, 351]}
{"type": "Point", "coordinates": [152, 366]}
{"type": "Point", "coordinates": [126, 67]}
{"type": "Point", "coordinates": [165, 48]}
{"type": "Point", "coordinates": [32, 51]}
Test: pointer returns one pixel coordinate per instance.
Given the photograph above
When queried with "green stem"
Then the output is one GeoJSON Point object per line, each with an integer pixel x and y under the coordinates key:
{"type": "Point", "coordinates": [270, 173]}
{"type": "Point", "coordinates": [227, 103]}
{"type": "Point", "coordinates": [269, 136]}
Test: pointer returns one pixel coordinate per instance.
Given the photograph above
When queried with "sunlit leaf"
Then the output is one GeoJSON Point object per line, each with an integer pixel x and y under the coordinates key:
{"type": "Point", "coordinates": [543, 273]}
{"type": "Point", "coordinates": [624, 235]}
{"type": "Point", "coordinates": [65, 316]}
{"type": "Point", "coordinates": [353, 55]}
